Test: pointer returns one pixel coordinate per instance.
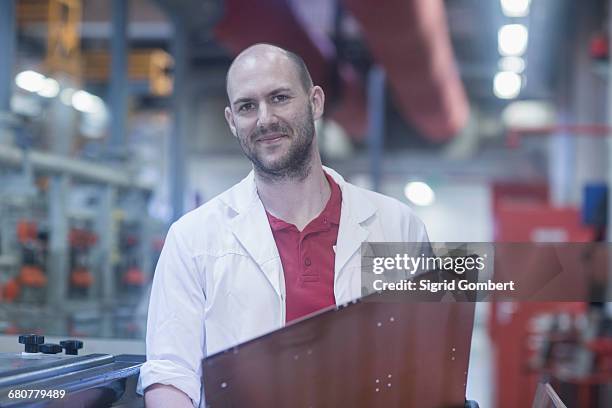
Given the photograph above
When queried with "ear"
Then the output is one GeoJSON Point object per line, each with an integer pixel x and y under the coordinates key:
{"type": "Point", "coordinates": [229, 117]}
{"type": "Point", "coordinates": [317, 101]}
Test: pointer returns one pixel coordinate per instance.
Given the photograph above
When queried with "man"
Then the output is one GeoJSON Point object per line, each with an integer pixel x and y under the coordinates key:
{"type": "Point", "coordinates": [279, 245]}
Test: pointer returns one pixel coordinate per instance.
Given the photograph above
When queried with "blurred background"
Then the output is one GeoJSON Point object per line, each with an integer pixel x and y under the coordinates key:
{"type": "Point", "coordinates": [489, 118]}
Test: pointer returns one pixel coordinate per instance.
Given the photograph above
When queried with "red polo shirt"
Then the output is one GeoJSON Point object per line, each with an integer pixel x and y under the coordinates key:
{"type": "Point", "coordinates": [308, 257]}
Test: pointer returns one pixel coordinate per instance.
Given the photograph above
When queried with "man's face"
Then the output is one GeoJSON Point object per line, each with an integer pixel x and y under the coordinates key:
{"type": "Point", "coordinates": [271, 115]}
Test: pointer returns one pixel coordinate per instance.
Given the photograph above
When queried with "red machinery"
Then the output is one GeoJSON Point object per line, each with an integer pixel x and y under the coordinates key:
{"type": "Point", "coordinates": [522, 214]}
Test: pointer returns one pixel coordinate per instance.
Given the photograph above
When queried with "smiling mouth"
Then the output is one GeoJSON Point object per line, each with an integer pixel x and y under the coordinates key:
{"type": "Point", "coordinates": [271, 138]}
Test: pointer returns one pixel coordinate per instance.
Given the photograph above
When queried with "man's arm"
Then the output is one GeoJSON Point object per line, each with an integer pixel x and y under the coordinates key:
{"type": "Point", "coordinates": [175, 340]}
{"type": "Point", "coordinates": [160, 395]}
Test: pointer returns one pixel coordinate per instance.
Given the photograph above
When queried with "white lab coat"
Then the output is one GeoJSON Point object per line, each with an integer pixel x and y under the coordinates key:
{"type": "Point", "coordinates": [219, 280]}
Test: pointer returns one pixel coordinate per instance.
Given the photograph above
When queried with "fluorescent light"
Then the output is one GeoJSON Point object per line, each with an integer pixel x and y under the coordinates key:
{"type": "Point", "coordinates": [31, 81]}
{"type": "Point", "coordinates": [419, 193]}
{"type": "Point", "coordinates": [93, 125]}
{"type": "Point", "coordinates": [85, 102]}
{"type": "Point", "coordinates": [512, 40]}
{"type": "Point", "coordinates": [515, 8]}
{"type": "Point", "coordinates": [507, 85]}
{"type": "Point", "coordinates": [66, 96]}
{"type": "Point", "coordinates": [529, 113]}
{"type": "Point", "coordinates": [50, 88]}
{"type": "Point", "coordinates": [512, 64]}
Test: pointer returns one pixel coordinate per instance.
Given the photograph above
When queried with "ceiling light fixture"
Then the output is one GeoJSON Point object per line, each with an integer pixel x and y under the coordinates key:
{"type": "Point", "coordinates": [85, 102]}
{"type": "Point", "coordinates": [30, 81]}
{"type": "Point", "coordinates": [507, 85]}
{"type": "Point", "coordinates": [512, 40]}
{"type": "Point", "coordinates": [515, 8]}
{"type": "Point", "coordinates": [419, 193]}
{"type": "Point", "coordinates": [50, 88]}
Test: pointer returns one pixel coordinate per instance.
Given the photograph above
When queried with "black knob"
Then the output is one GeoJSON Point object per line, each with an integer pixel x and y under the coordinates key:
{"type": "Point", "coordinates": [50, 348]}
{"type": "Point", "coordinates": [72, 346]}
{"type": "Point", "coordinates": [31, 341]}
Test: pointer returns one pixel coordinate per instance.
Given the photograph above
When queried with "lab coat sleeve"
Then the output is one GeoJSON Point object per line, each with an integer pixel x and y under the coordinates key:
{"type": "Point", "coordinates": [413, 228]}
{"type": "Point", "coordinates": [175, 340]}
{"type": "Point", "coordinates": [415, 233]}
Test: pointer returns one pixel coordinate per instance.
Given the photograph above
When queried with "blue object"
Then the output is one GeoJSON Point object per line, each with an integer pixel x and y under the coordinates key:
{"type": "Point", "coordinates": [595, 205]}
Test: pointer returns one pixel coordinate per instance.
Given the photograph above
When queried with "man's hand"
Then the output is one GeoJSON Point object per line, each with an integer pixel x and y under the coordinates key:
{"type": "Point", "coordinates": [160, 395]}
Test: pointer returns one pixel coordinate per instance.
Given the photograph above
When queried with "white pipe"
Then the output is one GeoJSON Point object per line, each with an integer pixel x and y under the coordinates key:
{"type": "Point", "coordinates": [52, 163]}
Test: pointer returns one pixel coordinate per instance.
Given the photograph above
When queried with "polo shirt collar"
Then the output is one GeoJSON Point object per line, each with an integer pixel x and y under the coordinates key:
{"type": "Point", "coordinates": [331, 212]}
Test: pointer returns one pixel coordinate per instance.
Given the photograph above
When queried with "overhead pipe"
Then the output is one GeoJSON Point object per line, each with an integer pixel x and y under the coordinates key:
{"type": "Point", "coordinates": [410, 40]}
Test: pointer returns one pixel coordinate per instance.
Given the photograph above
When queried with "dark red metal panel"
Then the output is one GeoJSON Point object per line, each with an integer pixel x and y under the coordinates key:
{"type": "Point", "coordinates": [410, 39]}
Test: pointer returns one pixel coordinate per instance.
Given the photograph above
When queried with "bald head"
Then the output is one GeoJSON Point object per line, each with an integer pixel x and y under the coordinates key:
{"type": "Point", "coordinates": [256, 54]}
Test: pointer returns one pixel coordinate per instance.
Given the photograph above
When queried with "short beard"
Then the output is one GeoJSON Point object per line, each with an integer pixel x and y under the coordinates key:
{"type": "Point", "coordinates": [296, 165]}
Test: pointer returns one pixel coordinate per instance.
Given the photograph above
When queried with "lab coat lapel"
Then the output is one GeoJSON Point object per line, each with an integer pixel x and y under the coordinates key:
{"type": "Point", "coordinates": [356, 209]}
{"type": "Point", "coordinates": [350, 236]}
{"type": "Point", "coordinates": [250, 226]}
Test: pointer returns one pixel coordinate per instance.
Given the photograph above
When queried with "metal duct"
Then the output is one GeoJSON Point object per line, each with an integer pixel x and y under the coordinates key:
{"type": "Point", "coordinates": [410, 40]}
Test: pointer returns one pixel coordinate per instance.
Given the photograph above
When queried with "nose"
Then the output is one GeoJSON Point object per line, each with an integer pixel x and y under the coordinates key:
{"type": "Point", "coordinates": [265, 115]}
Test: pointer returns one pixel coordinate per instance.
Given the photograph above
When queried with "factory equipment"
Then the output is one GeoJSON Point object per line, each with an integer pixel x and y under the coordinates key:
{"type": "Point", "coordinates": [130, 275]}
{"type": "Point", "coordinates": [77, 247]}
{"type": "Point", "coordinates": [566, 344]}
{"type": "Point", "coordinates": [33, 253]}
{"type": "Point", "coordinates": [81, 278]}
{"type": "Point", "coordinates": [73, 240]}
{"type": "Point", "coordinates": [42, 376]}
{"type": "Point", "coordinates": [572, 351]}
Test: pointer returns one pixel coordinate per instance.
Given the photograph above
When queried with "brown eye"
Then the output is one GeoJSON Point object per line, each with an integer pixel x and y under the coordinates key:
{"type": "Point", "coordinates": [246, 107]}
{"type": "Point", "coordinates": [279, 98]}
